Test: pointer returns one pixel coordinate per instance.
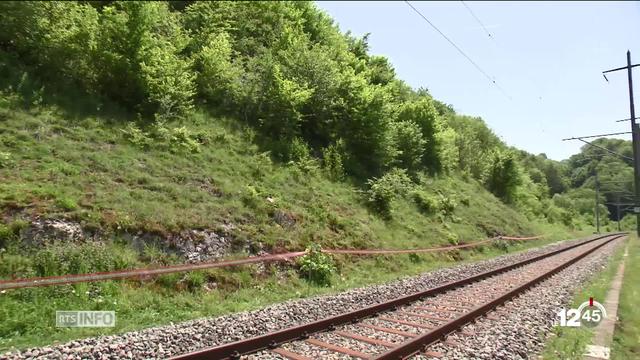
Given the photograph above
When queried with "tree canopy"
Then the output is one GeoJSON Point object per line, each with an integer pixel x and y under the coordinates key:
{"type": "Point", "coordinates": [286, 70]}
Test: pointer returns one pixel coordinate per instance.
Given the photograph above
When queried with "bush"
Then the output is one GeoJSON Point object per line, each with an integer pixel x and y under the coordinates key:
{"type": "Point", "coordinates": [66, 204]}
{"type": "Point", "coordinates": [298, 150]}
{"type": "Point", "coordinates": [5, 160]}
{"type": "Point", "coordinates": [384, 190]}
{"type": "Point", "coordinates": [5, 235]}
{"type": "Point", "coordinates": [415, 258]}
{"type": "Point", "coordinates": [155, 256]}
{"type": "Point", "coordinates": [137, 136]}
{"type": "Point", "coordinates": [502, 245]}
{"type": "Point", "coordinates": [61, 259]}
{"type": "Point", "coordinates": [176, 140]}
{"type": "Point", "coordinates": [316, 266]}
{"type": "Point", "coordinates": [447, 205]}
{"type": "Point", "coordinates": [181, 140]}
{"type": "Point", "coordinates": [504, 176]}
{"type": "Point", "coordinates": [251, 197]}
{"type": "Point", "coordinates": [332, 161]}
{"type": "Point", "coordinates": [426, 203]}
{"type": "Point", "coordinates": [194, 280]}
{"type": "Point", "coordinates": [169, 281]}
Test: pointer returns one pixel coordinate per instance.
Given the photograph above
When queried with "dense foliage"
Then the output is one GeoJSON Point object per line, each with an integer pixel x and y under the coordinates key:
{"type": "Point", "coordinates": [310, 92]}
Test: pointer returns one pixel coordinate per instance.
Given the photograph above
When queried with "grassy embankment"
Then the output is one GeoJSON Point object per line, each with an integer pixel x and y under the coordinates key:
{"type": "Point", "coordinates": [86, 169]}
{"type": "Point", "coordinates": [626, 338]}
{"type": "Point", "coordinates": [571, 342]}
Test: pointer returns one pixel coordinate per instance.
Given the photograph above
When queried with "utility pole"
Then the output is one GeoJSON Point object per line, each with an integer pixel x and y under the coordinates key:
{"type": "Point", "coordinates": [618, 211]}
{"type": "Point", "coordinates": [597, 206]}
{"type": "Point", "coordinates": [635, 134]}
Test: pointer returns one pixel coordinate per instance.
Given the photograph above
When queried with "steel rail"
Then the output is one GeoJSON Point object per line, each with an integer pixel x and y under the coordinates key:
{"type": "Point", "coordinates": [419, 343]}
{"type": "Point", "coordinates": [271, 340]}
{"type": "Point", "coordinates": [155, 271]}
{"type": "Point", "coordinates": [138, 273]}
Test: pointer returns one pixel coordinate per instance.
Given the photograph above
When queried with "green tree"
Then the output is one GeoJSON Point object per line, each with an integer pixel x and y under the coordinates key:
{"type": "Point", "coordinates": [504, 176]}
{"type": "Point", "coordinates": [408, 144]}
{"type": "Point", "coordinates": [140, 60]}
{"type": "Point", "coordinates": [423, 113]}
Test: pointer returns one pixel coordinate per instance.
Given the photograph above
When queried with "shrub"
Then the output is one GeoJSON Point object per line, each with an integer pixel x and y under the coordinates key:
{"type": "Point", "coordinates": [5, 235]}
{"type": "Point", "coordinates": [45, 263]}
{"type": "Point", "coordinates": [154, 255]}
{"type": "Point", "coordinates": [426, 203]}
{"type": "Point", "coordinates": [66, 204]}
{"type": "Point", "coordinates": [15, 266]}
{"type": "Point", "coordinates": [447, 205]}
{"type": "Point", "coordinates": [316, 266]}
{"type": "Point", "coordinates": [251, 197]}
{"type": "Point", "coordinates": [60, 259]}
{"type": "Point", "coordinates": [504, 176]}
{"type": "Point", "coordinates": [176, 140]}
{"type": "Point", "coordinates": [465, 200]}
{"type": "Point", "coordinates": [5, 160]}
{"type": "Point", "coordinates": [502, 245]}
{"type": "Point", "coordinates": [332, 161]}
{"type": "Point", "coordinates": [136, 136]}
{"type": "Point", "coordinates": [452, 238]}
{"type": "Point", "coordinates": [298, 150]}
{"type": "Point", "coordinates": [382, 191]}
{"type": "Point", "coordinates": [181, 140]}
{"type": "Point", "coordinates": [169, 281]}
{"type": "Point", "coordinates": [194, 280]}
{"type": "Point", "coordinates": [415, 258]}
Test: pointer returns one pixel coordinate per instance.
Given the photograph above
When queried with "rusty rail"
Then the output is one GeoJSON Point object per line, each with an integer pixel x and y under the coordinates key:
{"type": "Point", "coordinates": [272, 340]}
{"type": "Point", "coordinates": [417, 344]}
{"type": "Point", "coordinates": [149, 272]}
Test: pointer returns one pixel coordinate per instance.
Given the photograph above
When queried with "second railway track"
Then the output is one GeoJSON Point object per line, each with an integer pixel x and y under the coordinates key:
{"type": "Point", "coordinates": [406, 326]}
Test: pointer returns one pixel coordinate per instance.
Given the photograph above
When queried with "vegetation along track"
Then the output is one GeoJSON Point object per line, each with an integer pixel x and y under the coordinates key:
{"type": "Point", "coordinates": [437, 312]}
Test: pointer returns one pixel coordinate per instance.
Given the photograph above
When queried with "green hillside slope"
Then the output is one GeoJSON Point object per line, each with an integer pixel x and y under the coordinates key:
{"type": "Point", "coordinates": [152, 133]}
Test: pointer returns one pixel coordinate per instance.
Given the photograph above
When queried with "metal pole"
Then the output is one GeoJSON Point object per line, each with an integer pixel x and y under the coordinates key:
{"type": "Point", "coordinates": [597, 206]}
{"type": "Point", "coordinates": [618, 211]}
{"type": "Point", "coordinates": [636, 143]}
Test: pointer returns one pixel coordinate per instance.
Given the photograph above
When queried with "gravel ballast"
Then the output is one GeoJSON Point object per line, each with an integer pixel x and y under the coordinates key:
{"type": "Point", "coordinates": [519, 329]}
{"type": "Point", "coordinates": [170, 340]}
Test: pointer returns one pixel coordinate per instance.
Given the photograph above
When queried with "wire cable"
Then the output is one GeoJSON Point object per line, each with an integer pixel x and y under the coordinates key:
{"type": "Point", "coordinates": [604, 148]}
{"type": "Point", "coordinates": [477, 19]}
{"type": "Point", "coordinates": [459, 50]}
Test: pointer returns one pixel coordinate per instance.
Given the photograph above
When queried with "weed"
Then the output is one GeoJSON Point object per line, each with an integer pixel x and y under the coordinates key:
{"type": "Point", "coordinates": [194, 280]}
{"type": "Point", "coordinates": [66, 204]}
{"type": "Point", "coordinates": [415, 258]}
{"type": "Point", "coordinates": [317, 266]}
{"type": "Point", "coordinates": [5, 160]}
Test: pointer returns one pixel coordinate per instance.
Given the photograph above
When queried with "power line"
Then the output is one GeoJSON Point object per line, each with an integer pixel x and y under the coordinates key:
{"type": "Point", "coordinates": [621, 120]}
{"type": "Point", "coordinates": [593, 136]}
{"type": "Point", "coordinates": [459, 50]}
{"type": "Point", "coordinates": [604, 148]}
{"type": "Point", "coordinates": [477, 19]}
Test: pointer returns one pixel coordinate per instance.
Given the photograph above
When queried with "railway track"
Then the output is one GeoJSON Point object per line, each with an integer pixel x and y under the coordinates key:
{"type": "Point", "coordinates": [408, 325]}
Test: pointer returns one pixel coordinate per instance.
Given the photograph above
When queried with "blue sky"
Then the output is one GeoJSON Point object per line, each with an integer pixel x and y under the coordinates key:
{"type": "Point", "coordinates": [547, 56]}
